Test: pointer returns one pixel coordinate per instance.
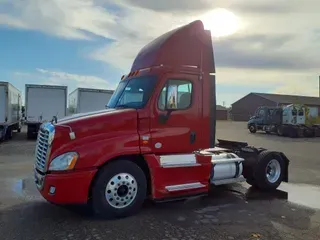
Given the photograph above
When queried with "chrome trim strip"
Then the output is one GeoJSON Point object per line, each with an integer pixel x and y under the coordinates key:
{"type": "Point", "coordinates": [181, 165]}
{"type": "Point", "coordinates": [178, 160]}
{"type": "Point", "coordinates": [229, 160]}
{"type": "Point", "coordinates": [187, 186]}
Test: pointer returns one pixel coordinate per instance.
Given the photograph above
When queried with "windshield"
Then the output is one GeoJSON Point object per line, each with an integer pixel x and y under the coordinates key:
{"type": "Point", "coordinates": [133, 93]}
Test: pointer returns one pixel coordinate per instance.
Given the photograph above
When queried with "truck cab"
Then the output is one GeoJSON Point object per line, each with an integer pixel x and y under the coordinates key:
{"type": "Point", "coordinates": [264, 116]}
{"type": "Point", "coordinates": [286, 120]}
{"type": "Point", "coordinates": [156, 139]}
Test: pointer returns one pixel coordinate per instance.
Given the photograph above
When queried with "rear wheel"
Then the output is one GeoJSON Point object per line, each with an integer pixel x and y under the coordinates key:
{"type": "Point", "coordinates": [280, 131]}
{"type": "Point", "coordinates": [9, 133]}
{"type": "Point", "coordinates": [119, 190]}
{"type": "Point", "coordinates": [268, 172]}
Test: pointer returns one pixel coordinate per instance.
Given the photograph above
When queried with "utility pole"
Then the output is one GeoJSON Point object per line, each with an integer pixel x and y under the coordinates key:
{"type": "Point", "coordinates": [319, 86]}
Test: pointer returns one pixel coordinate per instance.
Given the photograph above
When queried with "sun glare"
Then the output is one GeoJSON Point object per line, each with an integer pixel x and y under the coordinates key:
{"type": "Point", "coordinates": [220, 22]}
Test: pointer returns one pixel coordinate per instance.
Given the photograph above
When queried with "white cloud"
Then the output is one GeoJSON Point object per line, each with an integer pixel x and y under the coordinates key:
{"type": "Point", "coordinates": [241, 82]}
{"type": "Point", "coordinates": [68, 19]}
{"type": "Point", "coordinates": [73, 80]}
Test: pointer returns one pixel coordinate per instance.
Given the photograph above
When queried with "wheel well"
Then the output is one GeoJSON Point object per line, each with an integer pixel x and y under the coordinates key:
{"type": "Point", "coordinates": [137, 159]}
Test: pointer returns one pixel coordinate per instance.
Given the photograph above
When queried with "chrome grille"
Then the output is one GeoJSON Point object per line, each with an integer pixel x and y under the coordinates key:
{"type": "Point", "coordinates": [42, 148]}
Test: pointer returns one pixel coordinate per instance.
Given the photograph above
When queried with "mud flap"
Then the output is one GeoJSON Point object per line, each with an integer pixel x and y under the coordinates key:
{"type": "Point", "coordinates": [286, 170]}
{"type": "Point", "coordinates": [3, 133]}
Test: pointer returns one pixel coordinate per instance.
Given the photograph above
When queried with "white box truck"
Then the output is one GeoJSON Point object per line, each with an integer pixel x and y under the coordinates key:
{"type": "Point", "coordinates": [10, 110]}
{"type": "Point", "coordinates": [84, 100]}
{"type": "Point", "coordinates": [43, 103]}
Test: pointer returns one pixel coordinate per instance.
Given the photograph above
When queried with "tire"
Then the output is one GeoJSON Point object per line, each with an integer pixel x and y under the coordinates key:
{"type": "Point", "coordinates": [300, 132]}
{"type": "Point", "coordinates": [308, 132]}
{"type": "Point", "coordinates": [29, 135]}
{"type": "Point", "coordinates": [130, 195]}
{"type": "Point", "coordinates": [280, 131]}
{"type": "Point", "coordinates": [252, 128]}
{"type": "Point", "coordinates": [9, 133]}
{"type": "Point", "coordinates": [260, 179]}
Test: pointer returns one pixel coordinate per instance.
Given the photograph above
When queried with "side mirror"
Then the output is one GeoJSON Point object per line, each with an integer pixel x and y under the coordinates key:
{"type": "Point", "coordinates": [54, 119]}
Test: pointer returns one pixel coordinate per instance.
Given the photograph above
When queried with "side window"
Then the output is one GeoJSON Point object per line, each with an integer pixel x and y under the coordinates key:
{"type": "Point", "coordinates": [284, 112]}
{"type": "Point", "coordinates": [261, 113]}
{"type": "Point", "coordinates": [301, 113]}
{"type": "Point", "coordinates": [294, 112]}
{"type": "Point", "coordinates": [178, 97]}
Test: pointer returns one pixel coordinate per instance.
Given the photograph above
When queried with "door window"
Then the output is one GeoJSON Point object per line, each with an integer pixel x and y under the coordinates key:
{"type": "Point", "coordinates": [261, 113]}
{"type": "Point", "coordinates": [301, 113]}
{"type": "Point", "coordinates": [175, 95]}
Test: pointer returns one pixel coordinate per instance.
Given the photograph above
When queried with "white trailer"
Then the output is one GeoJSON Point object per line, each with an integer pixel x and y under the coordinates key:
{"type": "Point", "coordinates": [43, 103]}
{"type": "Point", "coordinates": [84, 100]}
{"type": "Point", "coordinates": [10, 110]}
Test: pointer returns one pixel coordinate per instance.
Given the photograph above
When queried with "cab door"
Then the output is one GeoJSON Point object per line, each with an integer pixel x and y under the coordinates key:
{"type": "Point", "coordinates": [176, 115]}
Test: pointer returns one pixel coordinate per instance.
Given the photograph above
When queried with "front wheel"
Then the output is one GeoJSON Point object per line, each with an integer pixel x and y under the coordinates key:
{"type": "Point", "coordinates": [252, 129]}
{"type": "Point", "coordinates": [268, 172]}
{"type": "Point", "coordinates": [119, 189]}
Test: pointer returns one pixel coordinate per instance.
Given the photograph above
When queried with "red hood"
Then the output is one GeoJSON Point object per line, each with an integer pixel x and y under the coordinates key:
{"type": "Point", "coordinates": [92, 126]}
{"type": "Point", "coordinates": [88, 115]}
{"type": "Point", "coordinates": [83, 122]}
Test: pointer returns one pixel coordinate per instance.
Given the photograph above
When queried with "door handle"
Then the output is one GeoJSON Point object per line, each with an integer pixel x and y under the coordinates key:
{"type": "Point", "coordinates": [192, 137]}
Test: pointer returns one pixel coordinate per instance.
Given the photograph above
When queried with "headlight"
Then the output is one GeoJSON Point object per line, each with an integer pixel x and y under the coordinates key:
{"type": "Point", "coordinates": [65, 161]}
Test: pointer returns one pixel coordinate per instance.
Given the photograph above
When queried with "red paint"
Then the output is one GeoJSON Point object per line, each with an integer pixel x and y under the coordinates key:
{"type": "Point", "coordinates": [108, 135]}
{"type": "Point", "coordinates": [71, 187]}
{"type": "Point", "coordinates": [98, 138]}
{"type": "Point", "coordinates": [188, 45]}
{"type": "Point", "coordinates": [162, 177]}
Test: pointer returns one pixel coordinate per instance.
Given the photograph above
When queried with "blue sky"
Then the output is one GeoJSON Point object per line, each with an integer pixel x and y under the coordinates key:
{"type": "Point", "coordinates": [25, 52]}
{"type": "Point", "coordinates": [91, 43]}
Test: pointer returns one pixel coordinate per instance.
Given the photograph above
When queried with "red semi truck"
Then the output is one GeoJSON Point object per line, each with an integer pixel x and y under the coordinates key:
{"type": "Point", "coordinates": [156, 139]}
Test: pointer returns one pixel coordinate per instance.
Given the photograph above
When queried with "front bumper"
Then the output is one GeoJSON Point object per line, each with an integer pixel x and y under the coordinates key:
{"type": "Point", "coordinates": [65, 188]}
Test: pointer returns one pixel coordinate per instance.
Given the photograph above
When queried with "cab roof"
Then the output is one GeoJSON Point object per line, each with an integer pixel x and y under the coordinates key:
{"type": "Point", "coordinates": [189, 45]}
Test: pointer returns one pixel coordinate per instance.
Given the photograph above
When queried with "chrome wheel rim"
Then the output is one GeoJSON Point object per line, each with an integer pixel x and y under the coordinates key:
{"type": "Point", "coordinates": [273, 171]}
{"type": "Point", "coordinates": [121, 190]}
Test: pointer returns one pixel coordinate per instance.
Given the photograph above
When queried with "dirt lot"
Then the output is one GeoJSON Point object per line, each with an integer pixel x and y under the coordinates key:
{"type": "Point", "coordinates": [235, 212]}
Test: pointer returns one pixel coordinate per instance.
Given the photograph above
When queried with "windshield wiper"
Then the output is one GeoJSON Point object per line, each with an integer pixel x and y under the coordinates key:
{"type": "Point", "coordinates": [123, 106]}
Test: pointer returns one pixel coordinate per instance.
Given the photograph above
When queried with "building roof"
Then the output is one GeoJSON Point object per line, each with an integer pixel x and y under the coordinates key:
{"type": "Point", "coordinates": [287, 99]}
{"type": "Point", "coordinates": [219, 107]}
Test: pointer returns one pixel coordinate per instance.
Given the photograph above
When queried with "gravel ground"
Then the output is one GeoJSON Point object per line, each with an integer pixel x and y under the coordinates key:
{"type": "Point", "coordinates": [233, 212]}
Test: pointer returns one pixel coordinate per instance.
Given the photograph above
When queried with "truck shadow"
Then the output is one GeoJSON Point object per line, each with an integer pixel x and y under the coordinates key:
{"type": "Point", "coordinates": [228, 211]}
